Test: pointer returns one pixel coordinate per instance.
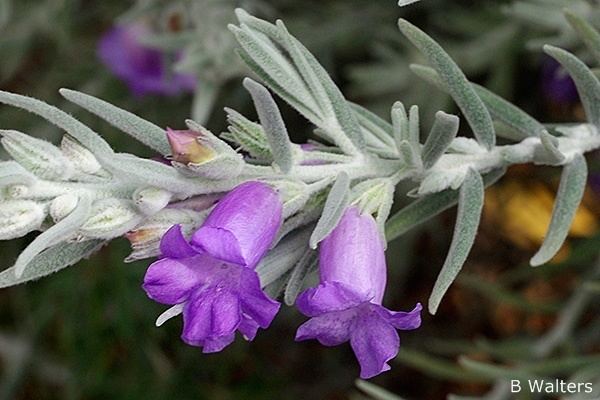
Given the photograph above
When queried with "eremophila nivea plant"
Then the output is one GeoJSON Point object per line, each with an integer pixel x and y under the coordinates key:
{"type": "Point", "coordinates": [239, 220]}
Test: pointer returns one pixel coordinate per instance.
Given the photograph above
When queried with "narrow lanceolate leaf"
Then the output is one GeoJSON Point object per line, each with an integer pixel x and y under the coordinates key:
{"type": "Point", "coordinates": [470, 204]}
{"type": "Point", "coordinates": [570, 193]}
{"type": "Point", "coordinates": [51, 260]}
{"type": "Point", "coordinates": [298, 275]}
{"type": "Point", "coordinates": [344, 117]}
{"type": "Point", "coordinates": [427, 207]}
{"type": "Point", "coordinates": [335, 116]}
{"type": "Point", "coordinates": [336, 203]}
{"type": "Point", "coordinates": [59, 232]}
{"type": "Point", "coordinates": [588, 85]}
{"type": "Point", "coordinates": [587, 32]}
{"type": "Point", "coordinates": [411, 158]}
{"type": "Point", "coordinates": [504, 111]}
{"type": "Point", "coordinates": [458, 86]}
{"type": "Point", "coordinates": [273, 125]}
{"type": "Point", "coordinates": [400, 124]}
{"type": "Point", "coordinates": [144, 131]}
{"type": "Point", "coordinates": [79, 131]}
{"type": "Point", "coordinates": [414, 128]}
{"type": "Point", "coordinates": [443, 131]}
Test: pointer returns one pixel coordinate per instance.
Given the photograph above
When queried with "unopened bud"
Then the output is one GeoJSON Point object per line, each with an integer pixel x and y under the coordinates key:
{"type": "Point", "coordinates": [110, 218]}
{"type": "Point", "coordinates": [151, 200]}
{"type": "Point", "coordinates": [19, 217]}
{"type": "Point", "coordinates": [216, 160]}
{"type": "Point", "coordinates": [62, 206]}
{"type": "Point", "coordinates": [145, 239]}
{"type": "Point", "coordinates": [186, 147]}
{"type": "Point", "coordinates": [38, 156]}
{"type": "Point", "coordinates": [82, 159]}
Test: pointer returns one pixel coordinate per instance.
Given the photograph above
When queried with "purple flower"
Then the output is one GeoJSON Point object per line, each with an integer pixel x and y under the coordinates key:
{"type": "Point", "coordinates": [557, 85]}
{"type": "Point", "coordinates": [213, 274]}
{"type": "Point", "coordinates": [346, 306]}
{"type": "Point", "coordinates": [144, 69]}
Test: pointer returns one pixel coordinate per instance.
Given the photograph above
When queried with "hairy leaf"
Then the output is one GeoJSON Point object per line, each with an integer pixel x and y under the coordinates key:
{"type": "Point", "coordinates": [443, 131]}
{"type": "Point", "coordinates": [458, 86]}
{"type": "Point", "coordinates": [568, 198]}
{"type": "Point", "coordinates": [427, 207]}
{"type": "Point", "coordinates": [51, 260]}
{"type": "Point", "coordinates": [587, 84]}
{"type": "Point", "coordinates": [470, 204]}
{"type": "Point", "coordinates": [273, 125]}
{"type": "Point", "coordinates": [142, 130]}
{"type": "Point", "coordinates": [336, 203]}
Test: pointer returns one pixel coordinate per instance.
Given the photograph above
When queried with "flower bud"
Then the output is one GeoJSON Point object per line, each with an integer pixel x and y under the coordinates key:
{"type": "Point", "coordinates": [145, 239]}
{"type": "Point", "coordinates": [110, 218]}
{"type": "Point", "coordinates": [199, 152]}
{"type": "Point", "coordinates": [62, 206]}
{"type": "Point", "coordinates": [151, 200]}
{"type": "Point", "coordinates": [38, 156]}
{"type": "Point", "coordinates": [82, 159]}
{"type": "Point", "coordinates": [19, 217]}
{"type": "Point", "coordinates": [186, 147]}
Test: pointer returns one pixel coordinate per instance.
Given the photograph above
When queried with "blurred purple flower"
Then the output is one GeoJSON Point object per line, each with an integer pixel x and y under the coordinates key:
{"type": "Point", "coordinates": [346, 306]}
{"type": "Point", "coordinates": [144, 69]}
{"type": "Point", "coordinates": [214, 275]}
{"type": "Point", "coordinates": [557, 85]}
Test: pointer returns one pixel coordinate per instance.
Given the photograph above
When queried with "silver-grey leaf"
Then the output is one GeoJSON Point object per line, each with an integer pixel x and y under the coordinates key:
{"type": "Point", "coordinates": [588, 86]}
{"type": "Point", "coordinates": [51, 260]}
{"type": "Point", "coordinates": [336, 203]}
{"type": "Point", "coordinates": [273, 125]}
{"type": "Point", "coordinates": [470, 205]}
{"type": "Point", "coordinates": [443, 131]}
{"type": "Point", "coordinates": [142, 130]}
{"type": "Point", "coordinates": [568, 198]}
{"type": "Point", "coordinates": [501, 110]}
{"type": "Point", "coordinates": [298, 275]}
{"type": "Point", "coordinates": [458, 86]}
{"type": "Point", "coordinates": [73, 127]}
{"type": "Point", "coordinates": [61, 231]}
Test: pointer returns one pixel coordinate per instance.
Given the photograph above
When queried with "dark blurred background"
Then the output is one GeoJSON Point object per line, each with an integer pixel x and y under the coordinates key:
{"type": "Point", "coordinates": [88, 332]}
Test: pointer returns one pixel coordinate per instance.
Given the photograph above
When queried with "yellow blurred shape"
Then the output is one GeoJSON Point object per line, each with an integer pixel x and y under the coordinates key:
{"type": "Point", "coordinates": [523, 213]}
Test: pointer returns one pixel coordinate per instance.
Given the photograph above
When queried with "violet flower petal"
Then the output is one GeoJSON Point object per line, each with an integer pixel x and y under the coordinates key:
{"type": "Point", "coordinates": [328, 297]}
{"type": "Point", "coordinates": [174, 245]}
{"type": "Point", "coordinates": [329, 329]}
{"type": "Point", "coordinates": [228, 298]}
{"type": "Point", "coordinates": [248, 328]}
{"type": "Point", "coordinates": [170, 281]}
{"type": "Point", "coordinates": [242, 226]}
{"type": "Point", "coordinates": [255, 303]}
{"type": "Point", "coordinates": [375, 342]}
{"type": "Point", "coordinates": [405, 321]}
